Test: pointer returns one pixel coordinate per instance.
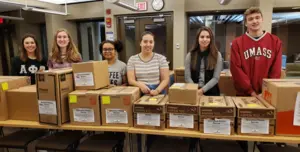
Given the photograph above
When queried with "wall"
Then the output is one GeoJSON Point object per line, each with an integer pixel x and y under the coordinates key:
{"type": "Point", "coordinates": [179, 34]}
{"type": "Point", "coordinates": [55, 22]}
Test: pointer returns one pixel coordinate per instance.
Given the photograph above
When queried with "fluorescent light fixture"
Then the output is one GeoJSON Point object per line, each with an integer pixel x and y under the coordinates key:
{"type": "Point", "coordinates": [12, 17]}
{"type": "Point", "coordinates": [65, 1]}
{"type": "Point", "coordinates": [44, 11]}
{"type": "Point", "coordinates": [122, 4]}
{"type": "Point", "coordinates": [10, 2]}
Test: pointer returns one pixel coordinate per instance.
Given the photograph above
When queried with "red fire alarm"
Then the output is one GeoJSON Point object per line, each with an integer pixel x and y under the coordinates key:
{"type": "Point", "coordinates": [1, 20]}
{"type": "Point", "coordinates": [108, 22]}
{"type": "Point", "coordinates": [108, 11]}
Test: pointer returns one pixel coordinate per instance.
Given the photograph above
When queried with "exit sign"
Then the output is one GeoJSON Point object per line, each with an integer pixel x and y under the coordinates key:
{"type": "Point", "coordinates": [142, 6]}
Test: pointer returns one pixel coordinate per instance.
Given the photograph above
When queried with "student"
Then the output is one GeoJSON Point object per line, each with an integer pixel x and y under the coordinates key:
{"type": "Point", "coordinates": [148, 70]}
{"type": "Point", "coordinates": [117, 69]}
{"type": "Point", "coordinates": [254, 56]}
{"type": "Point", "coordinates": [30, 60]}
{"type": "Point", "coordinates": [203, 64]}
{"type": "Point", "coordinates": [64, 52]}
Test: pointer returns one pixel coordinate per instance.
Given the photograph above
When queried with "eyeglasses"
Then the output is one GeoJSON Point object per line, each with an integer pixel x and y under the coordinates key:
{"type": "Point", "coordinates": [108, 49]}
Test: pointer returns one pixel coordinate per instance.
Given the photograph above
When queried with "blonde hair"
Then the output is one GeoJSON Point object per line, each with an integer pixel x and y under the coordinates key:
{"type": "Point", "coordinates": [72, 52]}
{"type": "Point", "coordinates": [251, 10]}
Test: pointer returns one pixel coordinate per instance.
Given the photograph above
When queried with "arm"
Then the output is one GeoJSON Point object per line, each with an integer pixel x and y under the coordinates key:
{"type": "Point", "coordinates": [211, 83]}
{"type": "Point", "coordinates": [240, 79]}
{"type": "Point", "coordinates": [275, 70]}
{"type": "Point", "coordinates": [165, 78]}
{"type": "Point", "coordinates": [50, 64]}
{"type": "Point", "coordinates": [187, 69]}
{"type": "Point", "coordinates": [124, 76]}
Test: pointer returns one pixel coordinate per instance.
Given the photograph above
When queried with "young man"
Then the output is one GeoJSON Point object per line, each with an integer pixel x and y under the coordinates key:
{"type": "Point", "coordinates": [254, 56]}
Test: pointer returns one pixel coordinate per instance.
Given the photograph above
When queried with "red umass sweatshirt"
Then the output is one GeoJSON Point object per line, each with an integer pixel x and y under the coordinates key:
{"type": "Point", "coordinates": [252, 60]}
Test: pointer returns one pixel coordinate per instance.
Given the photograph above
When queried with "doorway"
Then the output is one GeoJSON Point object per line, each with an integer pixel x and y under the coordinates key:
{"type": "Point", "coordinates": [7, 33]}
{"type": "Point", "coordinates": [130, 29]}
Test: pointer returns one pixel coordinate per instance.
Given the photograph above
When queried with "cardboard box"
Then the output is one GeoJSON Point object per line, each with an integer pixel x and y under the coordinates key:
{"type": "Point", "coordinates": [8, 83]}
{"type": "Point", "coordinates": [91, 75]}
{"type": "Point", "coordinates": [179, 75]}
{"type": "Point", "coordinates": [226, 84]}
{"type": "Point", "coordinates": [255, 117]}
{"type": "Point", "coordinates": [217, 115]}
{"type": "Point", "coordinates": [285, 96]}
{"type": "Point", "coordinates": [266, 86]}
{"type": "Point", "coordinates": [84, 107]}
{"type": "Point", "coordinates": [182, 116]}
{"type": "Point", "coordinates": [185, 93]}
{"type": "Point", "coordinates": [149, 112]}
{"type": "Point", "coordinates": [53, 88]}
{"type": "Point", "coordinates": [116, 105]}
{"type": "Point", "coordinates": [23, 104]}
{"type": "Point", "coordinates": [283, 74]}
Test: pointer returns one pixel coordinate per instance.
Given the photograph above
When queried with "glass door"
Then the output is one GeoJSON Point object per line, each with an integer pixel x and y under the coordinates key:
{"type": "Point", "coordinates": [7, 48]}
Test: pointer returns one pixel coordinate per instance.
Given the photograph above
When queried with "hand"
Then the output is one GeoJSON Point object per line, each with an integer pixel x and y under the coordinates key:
{"type": "Point", "coordinates": [200, 92]}
{"type": "Point", "coordinates": [154, 92]}
{"type": "Point", "coordinates": [144, 88]}
{"type": "Point", "coordinates": [253, 94]}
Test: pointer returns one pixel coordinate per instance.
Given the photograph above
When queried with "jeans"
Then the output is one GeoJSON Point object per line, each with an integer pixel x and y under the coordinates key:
{"type": "Point", "coordinates": [154, 86]}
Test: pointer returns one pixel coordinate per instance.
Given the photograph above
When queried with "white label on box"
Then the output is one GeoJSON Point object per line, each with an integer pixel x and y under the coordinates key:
{"type": "Point", "coordinates": [84, 115]}
{"type": "Point", "coordinates": [297, 111]}
{"type": "Point", "coordinates": [148, 119]}
{"type": "Point", "coordinates": [116, 116]}
{"type": "Point", "coordinates": [217, 126]}
{"type": "Point", "coordinates": [178, 85]}
{"type": "Point", "coordinates": [181, 120]}
{"type": "Point", "coordinates": [255, 126]}
{"type": "Point", "coordinates": [84, 79]}
{"type": "Point", "coordinates": [47, 107]}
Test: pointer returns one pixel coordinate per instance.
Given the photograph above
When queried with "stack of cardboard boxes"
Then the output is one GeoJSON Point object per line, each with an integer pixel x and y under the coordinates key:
{"type": "Point", "coordinates": [149, 112]}
{"type": "Point", "coordinates": [284, 95]}
{"type": "Point", "coordinates": [9, 83]}
{"type": "Point", "coordinates": [217, 115]}
{"type": "Point", "coordinates": [183, 107]}
{"type": "Point", "coordinates": [254, 117]}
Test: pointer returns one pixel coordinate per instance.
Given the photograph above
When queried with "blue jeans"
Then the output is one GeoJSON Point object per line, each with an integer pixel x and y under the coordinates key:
{"type": "Point", "coordinates": [154, 86]}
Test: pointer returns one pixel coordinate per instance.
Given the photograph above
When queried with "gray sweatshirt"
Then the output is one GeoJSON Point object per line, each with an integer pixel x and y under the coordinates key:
{"type": "Point", "coordinates": [212, 82]}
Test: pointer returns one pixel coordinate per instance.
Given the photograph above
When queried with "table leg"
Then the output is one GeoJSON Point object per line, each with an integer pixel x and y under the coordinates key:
{"type": "Point", "coordinates": [128, 142]}
{"type": "Point", "coordinates": [143, 142]}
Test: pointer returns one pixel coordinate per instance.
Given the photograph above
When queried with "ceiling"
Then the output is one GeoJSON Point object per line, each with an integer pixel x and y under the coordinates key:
{"type": "Point", "coordinates": [277, 18]}
{"type": "Point", "coordinates": [4, 7]}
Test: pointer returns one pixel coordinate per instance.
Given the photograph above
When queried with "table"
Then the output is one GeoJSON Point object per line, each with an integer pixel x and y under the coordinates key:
{"type": "Point", "coordinates": [166, 132]}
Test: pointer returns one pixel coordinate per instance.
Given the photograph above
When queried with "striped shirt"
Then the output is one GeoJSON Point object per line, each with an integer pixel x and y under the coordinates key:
{"type": "Point", "coordinates": [147, 72]}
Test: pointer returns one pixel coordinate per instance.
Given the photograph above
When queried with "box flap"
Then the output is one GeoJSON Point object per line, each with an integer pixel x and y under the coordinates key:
{"type": "Point", "coordinates": [120, 90]}
{"type": "Point", "coordinates": [56, 71]}
{"type": "Point", "coordinates": [213, 101]}
{"type": "Point", "coordinates": [250, 103]}
{"type": "Point", "coordinates": [185, 86]}
{"type": "Point", "coordinates": [30, 88]}
{"type": "Point", "coordinates": [152, 100]}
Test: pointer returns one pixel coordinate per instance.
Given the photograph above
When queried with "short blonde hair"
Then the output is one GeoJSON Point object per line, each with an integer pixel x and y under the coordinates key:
{"type": "Point", "coordinates": [251, 10]}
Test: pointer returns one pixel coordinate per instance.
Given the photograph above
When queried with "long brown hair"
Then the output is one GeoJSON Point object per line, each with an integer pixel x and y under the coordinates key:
{"type": "Point", "coordinates": [212, 48]}
{"type": "Point", "coordinates": [72, 52]}
{"type": "Point", "coordinates": [23, 52]}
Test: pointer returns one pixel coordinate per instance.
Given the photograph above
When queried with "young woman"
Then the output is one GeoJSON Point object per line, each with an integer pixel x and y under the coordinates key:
{"type": "Point", "coordinates": [64, 52]}
{"type": "Point", "coordinates": [203, 64]}
{"type": "Point", "coordinates": [117, 69]}
{"type": "Point", "coordinates": [148, 70]}
{"type": "Point", "coordinates": [30, 60]}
